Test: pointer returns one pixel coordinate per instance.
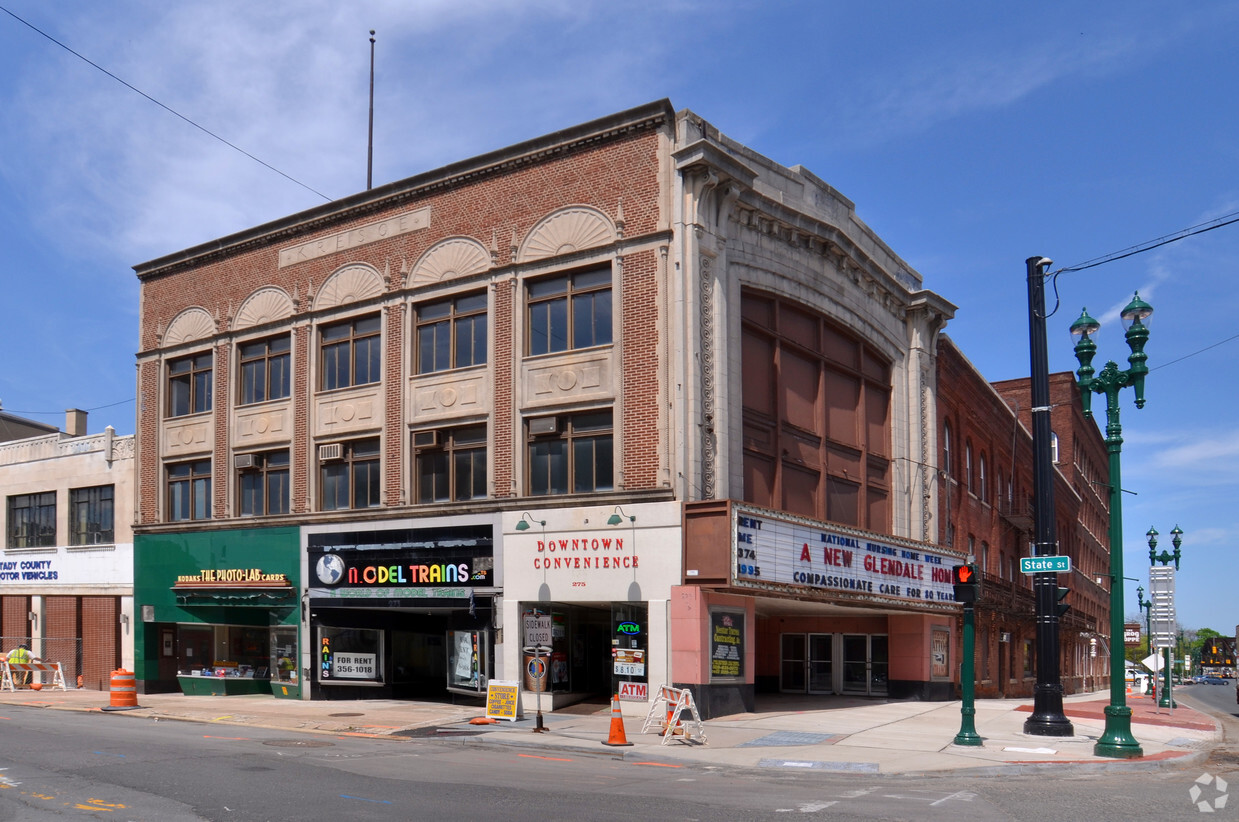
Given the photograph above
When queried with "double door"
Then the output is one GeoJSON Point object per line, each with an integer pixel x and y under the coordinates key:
{"type": "Point", "coordinates": [833, 664]}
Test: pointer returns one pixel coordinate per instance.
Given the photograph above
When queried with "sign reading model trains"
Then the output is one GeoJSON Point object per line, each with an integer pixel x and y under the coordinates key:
{"type": "Point", "coordinates": [773, 551]}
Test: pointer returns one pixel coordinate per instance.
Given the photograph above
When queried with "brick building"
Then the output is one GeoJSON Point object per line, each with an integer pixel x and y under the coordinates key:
{"type": "Point", "coordinates": [987, 510]}
{"type": "Point", "coordinates": [630, 392]}
{"type": "Point", "coordinates": [66, 569]}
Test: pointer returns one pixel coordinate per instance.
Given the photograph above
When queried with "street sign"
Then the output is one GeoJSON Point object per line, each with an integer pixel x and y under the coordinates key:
{"type": "Point", "coordinates": [1045, 565]}
{"type": "Point", "coordinates": [1163, 627]}
{"type": "Point", "coordinates": [537, 630]}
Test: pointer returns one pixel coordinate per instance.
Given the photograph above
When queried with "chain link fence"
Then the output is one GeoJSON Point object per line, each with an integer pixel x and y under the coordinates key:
{"type": "Point", "coordinates": [67, 651]}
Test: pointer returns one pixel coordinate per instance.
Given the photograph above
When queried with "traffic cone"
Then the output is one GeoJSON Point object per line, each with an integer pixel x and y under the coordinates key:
{"type": "Point", "coordinates": [616, 738]}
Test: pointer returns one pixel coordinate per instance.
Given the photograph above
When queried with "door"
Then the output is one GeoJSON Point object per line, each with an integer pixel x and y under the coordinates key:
{"type": "Point", "coordinates": [805, 665]}
{"type": "Point", "coordinates": [792, 657]}
{"type": "Point", "coordinates": [866, 664]}
{"type": "Point", "coordinates": [821, 654]}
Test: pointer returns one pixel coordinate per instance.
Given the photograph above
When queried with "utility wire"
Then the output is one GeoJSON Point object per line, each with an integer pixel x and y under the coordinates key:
{"type": "Point", "coordinates": [1201, 228]}
{"type": "Point", "coordinates": [203, 129]}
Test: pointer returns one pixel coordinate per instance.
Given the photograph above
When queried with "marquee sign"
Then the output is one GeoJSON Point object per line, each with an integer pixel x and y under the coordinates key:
{"type": "Point", "coordinates": [774, 552]}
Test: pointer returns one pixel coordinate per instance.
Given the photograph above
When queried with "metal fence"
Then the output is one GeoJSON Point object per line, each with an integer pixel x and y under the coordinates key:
{"type": "Point", "coordinates": [67, 651]}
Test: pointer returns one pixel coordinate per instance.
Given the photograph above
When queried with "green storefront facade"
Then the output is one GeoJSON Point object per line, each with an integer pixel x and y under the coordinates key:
{"type": "Point", "coordinates": [219, 612]}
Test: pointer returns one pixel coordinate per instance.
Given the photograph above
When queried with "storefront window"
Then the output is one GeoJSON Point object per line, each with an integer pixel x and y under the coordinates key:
{"type": "Point", "coordinates": [630, 646]}
{"type": "Point", "coordinates": [350, 656]}
{"type": "Point", "coordinates": [467, 661]}
{"type": "Point", "coordinates": [223, 651]}
{"type": "Point", "coordinates": [284, 654]}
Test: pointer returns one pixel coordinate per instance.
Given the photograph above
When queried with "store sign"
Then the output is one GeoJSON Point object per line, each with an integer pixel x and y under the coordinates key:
{"type": "Point", "coordinates": [726, 644]}
{"type": "Point", "coordinates": [771, 552]}
{"type": "Point", "coordinates": [634, 692]}
{"type": "Point", "coordinates": [584, 553]}
{"type": "Point", "coordinates": [354, 666]}
{"type": "Point", "coordinates": [366, 570]}
{"type": "Point", "coordinates": [1131, 634]}
{"type": "Point", "coordinates": [28, 570]}
{"type": "Point", "coordinates": [629, 661]}
{"type": "Point", "coordinates": [208, 577]}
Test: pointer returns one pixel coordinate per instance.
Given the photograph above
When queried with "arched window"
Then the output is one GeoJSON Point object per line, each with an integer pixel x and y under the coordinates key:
{"type": "Point", "coordinates": [983, 489]}
{"type": "Point", "coordinates": [1053, 446]}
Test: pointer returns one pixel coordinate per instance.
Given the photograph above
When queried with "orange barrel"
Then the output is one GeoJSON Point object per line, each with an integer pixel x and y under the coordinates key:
{"type": "Point", "coordinates": [124, 689]}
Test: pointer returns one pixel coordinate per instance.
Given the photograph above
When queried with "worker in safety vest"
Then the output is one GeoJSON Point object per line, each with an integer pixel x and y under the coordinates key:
{"type": "Point", "coordinates": [20, 655]}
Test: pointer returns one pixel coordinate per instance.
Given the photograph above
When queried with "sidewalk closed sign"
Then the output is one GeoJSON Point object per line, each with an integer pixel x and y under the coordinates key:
{"type": "Point", "coordinates": [537, 630]}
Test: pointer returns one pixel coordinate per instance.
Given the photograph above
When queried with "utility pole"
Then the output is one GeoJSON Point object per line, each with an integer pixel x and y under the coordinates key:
{"type": "Point", "coordinates": [1047, 717]}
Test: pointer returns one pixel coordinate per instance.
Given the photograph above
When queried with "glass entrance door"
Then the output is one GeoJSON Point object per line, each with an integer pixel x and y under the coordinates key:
{"type": "Point", "coordinates": [865, 664]}
{"type": "Point", "coordinates": [806, 663]}
{"type": "Point", "coordinates": [792, 656]}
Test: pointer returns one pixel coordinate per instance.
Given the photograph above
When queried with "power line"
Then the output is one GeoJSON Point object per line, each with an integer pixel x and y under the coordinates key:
{"type": "Point", "coordinates": [1201, 228]}
{"type": "Point", "coordinates": [55, 413]}
{"type": "Point", "coordinates": [203, 129]}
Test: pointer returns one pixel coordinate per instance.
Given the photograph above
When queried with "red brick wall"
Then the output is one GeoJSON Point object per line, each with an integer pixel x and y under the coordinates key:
{"type": "Point", "coordinates": [640, 318]}
{"type": "Point", "coordinates": [101, 641]}
{"type": "Point", "coordinates": [500, 203]}
{"type": "Point", "coordinates": [16, 619]}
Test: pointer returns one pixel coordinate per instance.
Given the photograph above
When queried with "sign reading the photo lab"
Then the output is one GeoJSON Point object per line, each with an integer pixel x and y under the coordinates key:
{"type": "Point", "coordinates": [771, 551]}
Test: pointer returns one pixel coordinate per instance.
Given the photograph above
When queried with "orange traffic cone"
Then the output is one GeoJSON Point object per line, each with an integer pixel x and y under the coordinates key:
{"type": "Point", "coordinates": [616, 738]}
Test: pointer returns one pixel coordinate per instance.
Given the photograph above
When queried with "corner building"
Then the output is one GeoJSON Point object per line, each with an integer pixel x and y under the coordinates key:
{"type": "Point", "coordinates": [621, 406]}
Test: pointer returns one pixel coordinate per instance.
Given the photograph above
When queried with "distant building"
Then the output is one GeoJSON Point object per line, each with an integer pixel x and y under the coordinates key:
{"type": "Point", "coordinates": [66, 569]}
{"type": "Point", "coordinates": [630, 392]}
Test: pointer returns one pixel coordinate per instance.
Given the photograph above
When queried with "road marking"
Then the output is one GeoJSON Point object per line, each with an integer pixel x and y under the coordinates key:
{"type": "Point", "coordinates": [364, 799]}
{"type": "Point", "coordinates": [807, 807]}
{"type": "Point", "coordinates": [228, 738]}
{"type": "Point", "coordinates": [962, 796]}
{"type": "Point", "coordinates": [548, 758]}
{"type": "Point", "coordinates": [658, 764]}
{"type": "Point", "coordinates": [108, 753]}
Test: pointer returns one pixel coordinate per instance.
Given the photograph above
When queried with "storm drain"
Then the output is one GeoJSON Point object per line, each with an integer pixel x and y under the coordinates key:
{"type": "Point", "coordinates": [837, 767]}
{"type": "Point", "coordinates": [781, 738]}
{"type": "Point", "coordinates": [347, 714]}
{"type": "Point", "coordinates": [298, 743]}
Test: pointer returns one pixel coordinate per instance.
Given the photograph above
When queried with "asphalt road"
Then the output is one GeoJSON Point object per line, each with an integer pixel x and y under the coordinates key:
{"type": "Point", "coordinates": [60, 765]}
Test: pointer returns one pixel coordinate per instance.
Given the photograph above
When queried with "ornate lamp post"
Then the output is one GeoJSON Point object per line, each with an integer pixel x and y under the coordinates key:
{"type": "Point", "coordinates": [1117, 740]}
{"type": "Point", "coordinates": [1167, 698]}
{"type": "Point", "coordinates": [1146, 605]}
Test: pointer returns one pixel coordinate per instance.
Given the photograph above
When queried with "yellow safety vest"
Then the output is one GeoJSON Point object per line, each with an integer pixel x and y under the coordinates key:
{"type": "Point", "coordinates": [19, 655]}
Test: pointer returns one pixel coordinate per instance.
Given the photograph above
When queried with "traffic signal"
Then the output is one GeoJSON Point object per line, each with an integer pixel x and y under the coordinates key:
{"type": "Point", "coordinates": [1062, 606]}
{"type": "Point", "coordinates": [967, 583]}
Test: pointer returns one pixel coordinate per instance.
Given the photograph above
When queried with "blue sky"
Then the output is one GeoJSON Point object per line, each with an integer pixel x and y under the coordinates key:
{"type": "Point", "coordinates": [970, 136]}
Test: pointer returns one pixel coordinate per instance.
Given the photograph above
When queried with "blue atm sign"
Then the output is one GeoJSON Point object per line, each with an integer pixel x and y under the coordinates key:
{"type": "Point", "coordinates": [1045, 565]}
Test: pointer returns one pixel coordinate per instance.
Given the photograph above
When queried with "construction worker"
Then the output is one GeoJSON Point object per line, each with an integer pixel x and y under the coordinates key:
{"type": "Point", "coordinates": [20, 655]}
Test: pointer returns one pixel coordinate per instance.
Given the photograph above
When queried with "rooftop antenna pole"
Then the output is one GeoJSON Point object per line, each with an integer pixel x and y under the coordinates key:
{"type": "Point", "coordinates": [370, 145]}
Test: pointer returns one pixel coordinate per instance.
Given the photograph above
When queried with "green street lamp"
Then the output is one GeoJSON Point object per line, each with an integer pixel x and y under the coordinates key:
{"type": "Point", "coordinates": [1166, 700]}
{"type": "Point", "coordinates": [1146, 605]}
{"type": "Point", "coordinates": [1117, 740]}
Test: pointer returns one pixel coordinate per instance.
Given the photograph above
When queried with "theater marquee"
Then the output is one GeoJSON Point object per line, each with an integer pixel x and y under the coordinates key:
{"type": "Point", "coordinates": [776, 552]}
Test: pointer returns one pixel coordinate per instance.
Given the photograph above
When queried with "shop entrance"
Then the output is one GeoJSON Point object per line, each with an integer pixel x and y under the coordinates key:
{"type": "Point", "coordinates": [854, 664]}
{"type": "Point", "coordinates": [865, 664]}
{"type": "Point", "coordinates": [594, 649]}
{"type": "Point", "coordinates": [806, 665]}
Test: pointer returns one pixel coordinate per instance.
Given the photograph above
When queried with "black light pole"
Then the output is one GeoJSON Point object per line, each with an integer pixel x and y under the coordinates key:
{"type": "Point", "coordinates": [1047, 717]}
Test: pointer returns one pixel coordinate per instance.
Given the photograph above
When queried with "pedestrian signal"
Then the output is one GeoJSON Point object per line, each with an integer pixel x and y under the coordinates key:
{"type": "Point", "coordinates": [967, 583]}
{"type": "Point", "coordinates": [1063, 607]}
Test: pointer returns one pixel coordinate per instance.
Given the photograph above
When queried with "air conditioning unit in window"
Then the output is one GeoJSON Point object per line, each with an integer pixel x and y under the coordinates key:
{"type": "Point", "coordinates": [425, 439]}
{"type": "Point", "coordinates": [244, 461]}
{"type": "Point", "coordinates": [330, 452]}
{"type": "Point", "coordinates": [544, 425]}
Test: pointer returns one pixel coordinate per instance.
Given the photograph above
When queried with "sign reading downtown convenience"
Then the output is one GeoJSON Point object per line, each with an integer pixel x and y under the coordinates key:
{"type": "Point", "coordinates": [771, 551]}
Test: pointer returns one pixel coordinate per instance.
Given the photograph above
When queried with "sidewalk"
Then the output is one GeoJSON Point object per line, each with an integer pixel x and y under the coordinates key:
{"type": "Point", "coordinates": [846, 735]}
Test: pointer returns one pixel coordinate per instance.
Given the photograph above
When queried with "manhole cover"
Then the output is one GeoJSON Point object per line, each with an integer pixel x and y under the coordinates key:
{"type": "Point", "coordinates": [346, 714]}
{"type": "Point", "coordinates": [298, 743]}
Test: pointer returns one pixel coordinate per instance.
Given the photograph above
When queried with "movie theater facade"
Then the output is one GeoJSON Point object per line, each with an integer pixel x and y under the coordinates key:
{"type": "Point", "coordinates": [625, 405]}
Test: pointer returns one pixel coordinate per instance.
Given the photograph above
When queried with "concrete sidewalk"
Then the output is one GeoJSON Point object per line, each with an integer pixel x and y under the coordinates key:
{"type": "Point", "coordinates": [825, 734]}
